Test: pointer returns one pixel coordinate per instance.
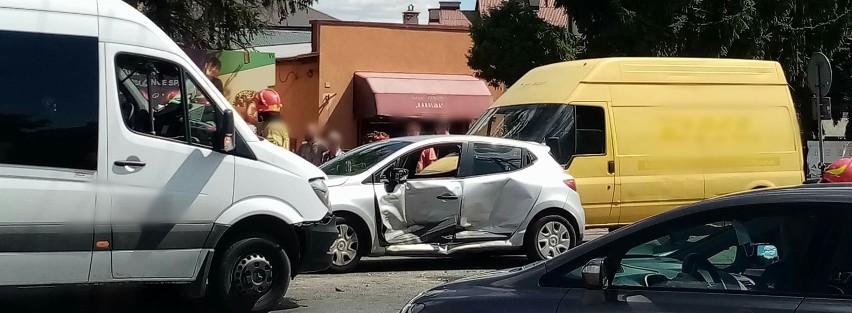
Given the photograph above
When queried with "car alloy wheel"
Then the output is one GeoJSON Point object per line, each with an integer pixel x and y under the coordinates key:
{"type": "Point", "coordinates": [345, 249]}
{"type": "Point", "coordinates": [553, 238]}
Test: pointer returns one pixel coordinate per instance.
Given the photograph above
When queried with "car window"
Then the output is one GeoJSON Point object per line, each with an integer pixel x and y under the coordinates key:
{"type": "Point", "coordinates": [202, 115]}
{"type": "Point", "coordinates": [434, 161]}
{"type": "Point", "coordinates": [493, 159]}
{"type": "Point", "coordinates": [839, 269]}
{"type": "Point", "coordinates": [362, 158]}
{"type": "Point", "coordinates": [591, 130]}
{"type": "Point", "coordinates": [742, 251]}
{"type": "Point", "coordinates": [149, 95]}
{"type": "Point", "coordinates": [47, 118]}
{"type": "Point", "coordinates": [151, 98]}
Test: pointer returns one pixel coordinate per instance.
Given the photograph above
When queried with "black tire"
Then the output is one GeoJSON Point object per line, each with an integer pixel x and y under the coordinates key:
{"type": "Point", "coordinates": [531, 244]}
{"type": "Point", "coordinates": [360, 236]}
{"type": "Point", "coordinates": [232, 295]}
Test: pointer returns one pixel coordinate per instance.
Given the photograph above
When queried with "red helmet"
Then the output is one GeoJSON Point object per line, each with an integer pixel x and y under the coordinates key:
{"type": "Point", "coordinates": [267, 100]}
{"type": "Point", "coordinates": [837, 172]}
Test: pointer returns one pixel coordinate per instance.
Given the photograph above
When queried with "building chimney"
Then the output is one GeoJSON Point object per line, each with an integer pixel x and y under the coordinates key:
{"type": "Point", "coordinates": [411, 16]}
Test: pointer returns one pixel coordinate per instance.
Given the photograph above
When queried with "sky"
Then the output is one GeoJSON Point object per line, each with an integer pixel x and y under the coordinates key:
{"type": "Point", "coordinates": [380, 10]}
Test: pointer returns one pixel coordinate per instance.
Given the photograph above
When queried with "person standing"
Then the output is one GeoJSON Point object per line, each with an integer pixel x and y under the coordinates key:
{"type": "Point", "coordinates": [333, 144]}
{"type": "Point", "coordinates": [442, 127]}
{"type": "Point", "coordinates": [212, 67]}
{"type": "Point", "coordinates": [428, 155]}
{"type": "Point", "coordinates": [312, 148]}
{"type": "Point", "coordinates": [272, 127]}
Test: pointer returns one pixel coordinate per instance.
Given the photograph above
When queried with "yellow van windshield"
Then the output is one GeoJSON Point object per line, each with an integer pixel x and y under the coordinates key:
{"type": "Point", "coordinates": [529, 122]}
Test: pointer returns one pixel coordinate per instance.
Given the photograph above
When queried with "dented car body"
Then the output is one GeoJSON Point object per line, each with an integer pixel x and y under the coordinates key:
{"type": "Point", "coordinates": [441, 195]}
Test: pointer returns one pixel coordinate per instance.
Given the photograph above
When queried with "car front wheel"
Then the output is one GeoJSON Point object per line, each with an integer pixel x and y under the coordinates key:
{"type": "Point", "coordinates": [549, 237]}
{"type": "Point", "coordinates": [252, 275]}
{"type": "Point", "coordinates": [346, 249]}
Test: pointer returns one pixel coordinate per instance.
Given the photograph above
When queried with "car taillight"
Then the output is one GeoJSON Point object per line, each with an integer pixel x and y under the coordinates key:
{"type": "Point", "coordinates": [571, 184]}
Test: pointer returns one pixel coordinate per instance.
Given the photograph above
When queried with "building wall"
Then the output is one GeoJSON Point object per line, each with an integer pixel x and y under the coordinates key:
{"type": "Point", "coordinates": [297, 84]}
{"type": "Point", "coordinates": [344, 48]}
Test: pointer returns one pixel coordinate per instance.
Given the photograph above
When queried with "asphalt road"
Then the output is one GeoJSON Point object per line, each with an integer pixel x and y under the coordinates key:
{"type": "Point", "coordinates": [379, 285]}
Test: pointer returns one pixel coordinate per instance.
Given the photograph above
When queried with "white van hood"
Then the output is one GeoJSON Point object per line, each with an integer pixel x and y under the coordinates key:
{"type": "Point", "coordinates": [268, 153]}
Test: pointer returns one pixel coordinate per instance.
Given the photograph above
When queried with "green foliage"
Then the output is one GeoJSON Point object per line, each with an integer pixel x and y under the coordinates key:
{"type": "Point", "coordinates": [511, 40]}
{"type": "Point", "coordinates": [787, 31]}
{"type": "Point", "coordinates": [215, 24]}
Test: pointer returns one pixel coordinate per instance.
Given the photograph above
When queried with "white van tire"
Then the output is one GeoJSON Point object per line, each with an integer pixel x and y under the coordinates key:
{"type": "Point", "coordinates": [557, 236]}
{"type": "Point", "coordinates": [343, 261]}
{"type": "Point", "coordinates": [251, 275]}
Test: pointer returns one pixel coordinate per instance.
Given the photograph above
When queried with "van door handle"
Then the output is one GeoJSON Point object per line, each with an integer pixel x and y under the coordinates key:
{"type": "Point", "coordinates": [448, 196]}
{"type": "Point", "coordinates": [130, 163]}
{"type": "Point", "coordinates": [610, 167]}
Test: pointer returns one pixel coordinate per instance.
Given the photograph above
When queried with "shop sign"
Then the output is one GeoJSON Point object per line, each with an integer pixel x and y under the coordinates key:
{"type": "Point", "coordinates": [429, 102]}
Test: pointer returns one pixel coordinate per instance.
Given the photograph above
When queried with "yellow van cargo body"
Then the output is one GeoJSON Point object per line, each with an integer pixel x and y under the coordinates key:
{"type": "Point", "coordinates": [645, 135]}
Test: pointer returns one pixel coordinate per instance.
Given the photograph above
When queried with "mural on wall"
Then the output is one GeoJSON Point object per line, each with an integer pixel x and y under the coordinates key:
{"type": "Point", "coordinates": [238, 75]}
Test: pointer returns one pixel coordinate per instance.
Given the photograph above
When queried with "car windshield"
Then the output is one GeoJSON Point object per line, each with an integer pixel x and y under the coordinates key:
{"type": "Point", "coordinates": [528, 122]}
{"type": "Point", "coordinates": [362, 158]}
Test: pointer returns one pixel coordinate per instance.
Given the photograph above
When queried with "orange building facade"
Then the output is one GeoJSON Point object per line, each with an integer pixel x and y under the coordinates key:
{"type": "Point", "coordinates": [408, 71]}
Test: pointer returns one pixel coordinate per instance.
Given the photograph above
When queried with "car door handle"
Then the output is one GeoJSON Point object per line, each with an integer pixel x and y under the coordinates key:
{"type": "Point", "coordinates": [447, 196]}
{"type": "Point", "coordinates": [130, 163]}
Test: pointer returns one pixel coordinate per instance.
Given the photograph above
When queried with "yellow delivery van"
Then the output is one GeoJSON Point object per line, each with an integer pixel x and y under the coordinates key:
{"type": "Point", "coordinates": [645, 135]}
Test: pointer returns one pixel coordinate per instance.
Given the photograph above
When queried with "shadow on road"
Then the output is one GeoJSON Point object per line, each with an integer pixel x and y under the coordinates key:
{"type": "Point", "coordinates": [166, 298]}
{"type": "Point", "coordinates": [404, 264]}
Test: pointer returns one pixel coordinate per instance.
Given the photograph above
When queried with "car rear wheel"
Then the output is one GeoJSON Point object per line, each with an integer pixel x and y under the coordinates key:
{"type": "Point", "coordinates": [251, 275]}
{"type": "Point", "coordinates": [549, 237]}
{"type": "Point", "coordinates": [346, 250]}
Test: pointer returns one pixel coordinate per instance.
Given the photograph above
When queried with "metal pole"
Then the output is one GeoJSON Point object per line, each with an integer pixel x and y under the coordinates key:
{"type": "Point", "coordinates": [819, 123]}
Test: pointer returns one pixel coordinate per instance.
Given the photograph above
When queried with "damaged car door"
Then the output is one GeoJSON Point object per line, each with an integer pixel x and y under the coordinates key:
{"type": "Point", "coordinates": [497, 197]}
{"type": "Point", "coordinates": [422, 206]}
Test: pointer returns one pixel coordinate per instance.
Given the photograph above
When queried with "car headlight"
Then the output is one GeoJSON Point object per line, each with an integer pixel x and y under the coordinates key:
{"type": "Point", "coordinates": [321, 190]}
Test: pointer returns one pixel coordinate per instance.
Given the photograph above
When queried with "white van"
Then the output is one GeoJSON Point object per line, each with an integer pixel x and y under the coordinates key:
{"type": "Point", "coordinates": [100, 185]}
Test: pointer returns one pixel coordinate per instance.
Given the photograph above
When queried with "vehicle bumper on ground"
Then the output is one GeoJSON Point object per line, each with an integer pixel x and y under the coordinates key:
{"type": "Point", "coordinates": [317, 238]}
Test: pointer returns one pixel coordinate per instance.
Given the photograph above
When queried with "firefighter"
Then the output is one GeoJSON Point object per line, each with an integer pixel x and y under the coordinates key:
{"type": "Point", "coordinates": [271, 126]}
{"type": "Point", "coordinates": [838, 172]}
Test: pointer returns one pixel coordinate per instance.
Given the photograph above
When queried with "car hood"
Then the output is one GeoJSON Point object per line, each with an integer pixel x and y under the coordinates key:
{"type": "Point", "coordinates": [336, 180]}
{"type": "Point", "coordinates": [512, 277]}
{"type": "Point", "coordinates": [284, 159]}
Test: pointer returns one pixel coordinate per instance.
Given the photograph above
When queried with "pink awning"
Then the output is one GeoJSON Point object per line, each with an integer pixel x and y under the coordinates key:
{"type": "Point", "coordinates": [420, 95]}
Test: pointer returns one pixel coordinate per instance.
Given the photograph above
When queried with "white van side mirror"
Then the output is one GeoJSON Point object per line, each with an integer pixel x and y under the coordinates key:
{"type": "Point", "coordinates": [226, 132]}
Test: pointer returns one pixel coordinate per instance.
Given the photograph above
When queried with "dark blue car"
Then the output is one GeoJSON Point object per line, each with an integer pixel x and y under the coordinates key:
{"type": "Point", "coordinates": [776, 250]}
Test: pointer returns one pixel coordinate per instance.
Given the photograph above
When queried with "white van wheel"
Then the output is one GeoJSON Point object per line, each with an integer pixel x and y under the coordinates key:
{"type": "Point", "coordinates": [251, 275]}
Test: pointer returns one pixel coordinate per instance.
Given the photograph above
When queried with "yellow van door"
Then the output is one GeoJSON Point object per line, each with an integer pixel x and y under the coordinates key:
{"type": "Point", "coordinates": [592, 164]}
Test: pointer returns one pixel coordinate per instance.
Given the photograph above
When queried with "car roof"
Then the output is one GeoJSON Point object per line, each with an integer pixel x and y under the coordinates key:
{"type": "Point", "coordinates": [809, 193]}
{"type": "Point", "coordinates": [426, 139]}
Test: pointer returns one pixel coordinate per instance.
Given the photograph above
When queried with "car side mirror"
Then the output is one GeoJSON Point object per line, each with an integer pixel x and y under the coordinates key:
{"type": "Point", "coordinates": [766, 254]}
{"type": "Point", "coordinates": [226, 131]}
{"type": "Point", "coordinates": [395, 176]}
{"type": "Point", "coordinates": [595, 276]}
{"type": "Point", "coordinates": [560, 150]}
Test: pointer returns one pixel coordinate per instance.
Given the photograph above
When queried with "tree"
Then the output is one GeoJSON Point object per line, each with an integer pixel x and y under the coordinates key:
{"type": "Point", "coordinates": [787, 31]}
{"type": "Point", "coordinates": [215, 24]}
{"type": "Point", "coordinates": [511, 40]}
